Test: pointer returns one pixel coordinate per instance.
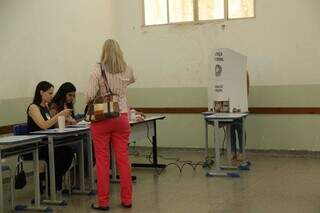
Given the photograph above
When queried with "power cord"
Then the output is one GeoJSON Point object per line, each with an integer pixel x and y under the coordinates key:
{"type": "Point", "coordinates": [133, 151]}
{"type": "Point", "coordinates": [180, 164]}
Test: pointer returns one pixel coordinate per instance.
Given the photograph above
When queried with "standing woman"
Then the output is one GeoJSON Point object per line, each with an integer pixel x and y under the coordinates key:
{"type": "Point", "coordinates": [39, 118]}
{"type": "Point", "coordinates": [114, 130]}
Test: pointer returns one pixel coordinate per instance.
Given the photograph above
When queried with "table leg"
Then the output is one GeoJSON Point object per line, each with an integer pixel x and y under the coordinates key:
{"type": "Point", "coordinates": [155, 163]}
{"type": "Point", "coordinates": [218, 171]}
{"type": "Point", "coordinates": [81, 165]}
{"type": "Point", "coordinates": [114, 172]}
{"type": "Point", "coordinates": [90, 163]}
{"type": "Point", "coordinates": [1, 188]}
{"type": "Point", "coordinates": [37, 206]}
{"type": "Point", "coordinates": [82, 189]}
{"type": "Point", "coordinates": [216, 145]}
{"type": "Point", "coordinates": [52, 170]}
{"type": "Point", "coordinates": [228, 141]}
{"type": "Point", "coordinates": [36, 178]}
{"type": "Point", "coordinates": [244, 136]}
{"type": "Point", "coordinates": [207, 162]}
{"type": "Point", "coordinates": [53, 194]}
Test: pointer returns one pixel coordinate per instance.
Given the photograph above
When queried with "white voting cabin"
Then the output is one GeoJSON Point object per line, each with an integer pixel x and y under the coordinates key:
{"type": "Point", "coordinates": [227, 89]}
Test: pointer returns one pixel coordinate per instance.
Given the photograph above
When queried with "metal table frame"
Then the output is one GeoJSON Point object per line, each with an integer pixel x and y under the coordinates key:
{"type": "Point", "coordinates": [53, 134]}
{"type": "Point", "coordinates": [16, 145]}
{"type": "Point", "coordinates": [215, 120]}
{"type": "Point", "coordinates": [148, 125]}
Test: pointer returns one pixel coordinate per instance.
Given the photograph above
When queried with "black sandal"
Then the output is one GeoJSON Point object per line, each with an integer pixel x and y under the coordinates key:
{"type": "Point", "coordinates": [97, 207]}
{"type": "Point", "coordinates": [127, 206]}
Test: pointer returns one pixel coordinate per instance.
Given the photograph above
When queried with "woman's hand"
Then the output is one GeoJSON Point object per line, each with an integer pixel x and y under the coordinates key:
{"type": "Point", "coordinates": [70, 121]}
{"type": "Point", "coordinates": [66, 112]}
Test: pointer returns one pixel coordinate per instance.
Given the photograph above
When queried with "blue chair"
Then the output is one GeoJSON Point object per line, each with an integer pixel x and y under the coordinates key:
{"type": "Point", "coordinates": [20, 129]}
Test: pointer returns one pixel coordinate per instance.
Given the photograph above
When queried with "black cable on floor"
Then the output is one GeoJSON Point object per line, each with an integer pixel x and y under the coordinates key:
{"type": "Point", "coordinates": [180, 164]}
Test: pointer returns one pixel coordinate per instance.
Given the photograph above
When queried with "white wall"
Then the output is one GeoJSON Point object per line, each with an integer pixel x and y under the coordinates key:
{"type": "Point", "coordinates": [282, 45]}
{"type": "Point", "coordinates": [55, 40]}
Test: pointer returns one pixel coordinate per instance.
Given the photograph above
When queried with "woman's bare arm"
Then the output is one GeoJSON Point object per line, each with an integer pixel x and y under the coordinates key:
{"type": "Point", "coordinates": [35, 114]}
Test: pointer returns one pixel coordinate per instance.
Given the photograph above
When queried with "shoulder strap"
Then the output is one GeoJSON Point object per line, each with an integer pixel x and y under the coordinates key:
{"type": "Point", "coordinates": [19, 163]}
{"type": "Point", "coordinates": [108, 89]}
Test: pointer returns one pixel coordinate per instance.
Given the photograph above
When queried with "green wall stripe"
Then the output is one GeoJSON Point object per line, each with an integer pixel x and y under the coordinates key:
{"type": "Point", "coordinates": [290, 132]}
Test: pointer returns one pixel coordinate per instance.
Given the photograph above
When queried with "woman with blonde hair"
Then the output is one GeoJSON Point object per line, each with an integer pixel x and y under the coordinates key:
{"type": "Point", "coordinates": [113, 130]}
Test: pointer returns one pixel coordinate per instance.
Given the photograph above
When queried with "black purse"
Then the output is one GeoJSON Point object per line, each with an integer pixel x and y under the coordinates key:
{"type": "Point", "coordinates": [20, 179]}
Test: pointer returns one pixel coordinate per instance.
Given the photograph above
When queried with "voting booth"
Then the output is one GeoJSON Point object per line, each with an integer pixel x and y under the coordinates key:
{"type": "Point", "coordinates": [227, 89]}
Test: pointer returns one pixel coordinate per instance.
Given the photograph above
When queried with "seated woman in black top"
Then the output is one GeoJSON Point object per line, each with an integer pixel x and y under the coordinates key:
{"type": "Point", "coordinates": [39, 118]}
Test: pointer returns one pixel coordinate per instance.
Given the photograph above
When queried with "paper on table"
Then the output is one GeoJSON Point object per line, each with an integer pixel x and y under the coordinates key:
{"type": "Point", "coordinates": [83, 122]}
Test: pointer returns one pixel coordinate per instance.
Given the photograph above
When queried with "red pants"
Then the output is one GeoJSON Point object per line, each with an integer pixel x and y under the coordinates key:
{"type": "Point", "coordinates": [116, 131]}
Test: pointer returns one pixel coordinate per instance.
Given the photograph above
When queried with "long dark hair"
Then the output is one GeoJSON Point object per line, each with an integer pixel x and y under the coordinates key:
{"type": "Point", "coordinates": [42, 86]}
{"type": "Point", "coordinates": [60, 97]}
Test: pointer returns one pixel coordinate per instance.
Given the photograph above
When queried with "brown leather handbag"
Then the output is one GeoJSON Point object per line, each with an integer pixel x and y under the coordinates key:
{"type": "Point", "coordinates": [103, 106]}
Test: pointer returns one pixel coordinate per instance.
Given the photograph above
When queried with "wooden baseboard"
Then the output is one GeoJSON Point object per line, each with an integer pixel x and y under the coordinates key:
{"type": "Point", "coordinates": [5, 129]}
{"type": "Point", "coordinates": [284, 110]}
{"type": "Point", "coordinates": [252, 110]}
{"type": "Point", "coordinates": [172, 110]}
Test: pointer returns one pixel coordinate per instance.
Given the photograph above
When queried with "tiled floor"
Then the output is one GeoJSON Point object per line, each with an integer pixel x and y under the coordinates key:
{"type": "Point", "coordinates": [273, 185]}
